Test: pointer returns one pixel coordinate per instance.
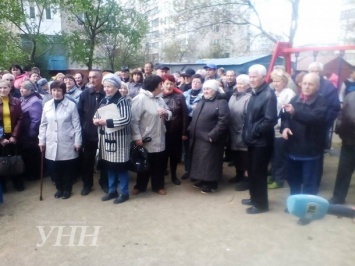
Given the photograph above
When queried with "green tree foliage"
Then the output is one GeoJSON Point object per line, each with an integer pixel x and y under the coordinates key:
{"type": "Point", "coordinates": [24, 31]}
{"type": "Point", "coordinates": [102, 31]}
{"type": "Point", "coordinates": [10, 49]}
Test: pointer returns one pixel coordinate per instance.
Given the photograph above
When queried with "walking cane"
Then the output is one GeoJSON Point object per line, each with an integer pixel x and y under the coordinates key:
{"type": "Point", "coordinates": [42, 159]}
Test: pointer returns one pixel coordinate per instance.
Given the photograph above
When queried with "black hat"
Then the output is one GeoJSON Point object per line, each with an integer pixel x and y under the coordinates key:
{"type": "Point", "coordinates": [188, 73]}
{"type": "Point", "coordinates": [162, 67]}
{"type": "Point", "coordinates": [124, 69]}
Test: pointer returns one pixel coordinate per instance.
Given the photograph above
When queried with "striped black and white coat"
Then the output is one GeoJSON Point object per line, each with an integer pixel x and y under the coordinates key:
{"type": "Point", "coordinates": [114, 147]}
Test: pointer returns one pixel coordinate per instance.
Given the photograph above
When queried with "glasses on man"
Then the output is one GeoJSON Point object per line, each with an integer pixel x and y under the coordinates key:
{"type": "Point", "coordinates": [9, 79]}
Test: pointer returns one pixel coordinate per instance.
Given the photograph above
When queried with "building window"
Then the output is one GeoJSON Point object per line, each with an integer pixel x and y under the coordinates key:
{"type": "Point", "coordinates": [48, 13]}
{"type": "Point", "coordinates": [216, 41]}
{"type": "Point", "coordinates": [215, 28]}
{"type": "Point", "coordinates": [32, 12]}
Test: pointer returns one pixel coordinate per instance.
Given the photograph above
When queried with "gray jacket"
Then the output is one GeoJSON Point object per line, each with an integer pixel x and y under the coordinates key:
{"type": "Point", "coordinates": [238, 104]}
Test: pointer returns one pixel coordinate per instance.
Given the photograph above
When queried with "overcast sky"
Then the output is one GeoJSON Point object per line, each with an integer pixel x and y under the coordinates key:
{"type": "Point", "coordinates": [318, 19]}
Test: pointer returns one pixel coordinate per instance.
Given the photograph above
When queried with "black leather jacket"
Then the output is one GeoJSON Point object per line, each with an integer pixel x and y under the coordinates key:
{"type": "Point", "coordinates": [261, 117]}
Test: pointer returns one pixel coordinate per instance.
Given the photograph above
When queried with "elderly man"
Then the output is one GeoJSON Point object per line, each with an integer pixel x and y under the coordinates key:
{"type": "Point", "coordinates": [161, 70]}
{"type": "Point", "coordinates": [230, 83]}
{"type": "Point", "coordinates": [303, 122]}
{"type": "Point", "coordinates": [345, 126]}
{"type": "Point", "coordinates": [211, 71]}
{"type": "Point", "coordinates": [258, 135]}
{"type": "Point", "coordinates": [88, 103]}
{"type": "Point", "coordinates": [148, 70]}
{"type": "Point", "coordinates": [330, 93]}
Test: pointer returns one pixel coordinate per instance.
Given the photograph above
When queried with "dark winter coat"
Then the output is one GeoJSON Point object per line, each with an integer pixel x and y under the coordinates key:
{"type": "Point", "coordinates": [87, 106]}
{"type": "Point", "coordinates": [307, 125]}
{"type": "Point", "coordinates": [330, 93]}
{"type": "Point", "coordinates": [179, 121]}
{"type": "Point", "coordinates": [261, 117]}
{"type": "Point", "coordinates": [32, 112]}
{"type": "Point", "coordinates": [345, 125]}
{"type": "Point", "coordinates": [209, 121]}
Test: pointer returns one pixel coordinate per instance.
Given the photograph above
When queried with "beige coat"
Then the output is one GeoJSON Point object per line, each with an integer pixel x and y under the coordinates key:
{"type": "Point", "coordinates": [60, 130]}
{"type": "Point", "coordinates": [146, 122]}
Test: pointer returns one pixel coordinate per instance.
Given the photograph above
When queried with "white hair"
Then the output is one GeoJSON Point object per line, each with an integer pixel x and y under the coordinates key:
{"type": "Point", "coordinates": [243, 78]}
{"type": "Point", "coordinates": [317, 65]}
{"type": "Point", "coordinates": [8, 75]}
{"type": "Point", "coordinates": [260, 69]}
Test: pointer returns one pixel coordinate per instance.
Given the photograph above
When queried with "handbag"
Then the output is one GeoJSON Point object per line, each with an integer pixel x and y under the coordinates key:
{"type": "Point", "coordinates": [11, 165]}
{"type": "Point", "coordinates": [138, 158]}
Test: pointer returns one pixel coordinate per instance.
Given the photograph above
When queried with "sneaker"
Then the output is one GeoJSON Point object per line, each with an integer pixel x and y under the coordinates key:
{"type": "Point", "coordinates": [198, 184]}
{"type": "Point", "coordinates": [120, 199]}
{"type": "Point", "coordinates": [85, 191]}
{"type": "Point", "coordinates": [208, 190]}
{"type": "Point", "coordinates": [274, 185]}
{"type": "Point", "coordinates": [270, 180]}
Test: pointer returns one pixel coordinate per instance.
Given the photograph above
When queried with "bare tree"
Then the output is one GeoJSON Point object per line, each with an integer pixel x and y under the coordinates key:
{"type": "Point", "coordinates": [201, 15]}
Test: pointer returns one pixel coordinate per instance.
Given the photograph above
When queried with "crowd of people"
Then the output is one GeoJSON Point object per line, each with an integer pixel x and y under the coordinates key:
{"type": "Point", "coordinates": [270, 132]}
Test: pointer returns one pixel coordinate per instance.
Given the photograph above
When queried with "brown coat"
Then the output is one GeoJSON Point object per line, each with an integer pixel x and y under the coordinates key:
{"type": "Point", "coordinates": [15, 114]}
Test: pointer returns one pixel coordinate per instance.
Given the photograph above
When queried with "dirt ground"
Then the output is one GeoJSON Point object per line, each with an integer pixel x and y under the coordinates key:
{"type": "Point", "coordinates": [185, 227]}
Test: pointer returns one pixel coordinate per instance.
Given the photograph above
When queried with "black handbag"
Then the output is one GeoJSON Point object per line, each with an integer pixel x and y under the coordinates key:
{"type": "Point", "coordinates": [138, 157]}
{"type": "Point", "coordinates": [11, 165]}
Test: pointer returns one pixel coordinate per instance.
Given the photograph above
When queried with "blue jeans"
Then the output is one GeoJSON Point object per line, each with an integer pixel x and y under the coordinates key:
{"type": "Point", "coordinates": [114, 177]}
{"type": "Point", "coordinates": [303, 175]}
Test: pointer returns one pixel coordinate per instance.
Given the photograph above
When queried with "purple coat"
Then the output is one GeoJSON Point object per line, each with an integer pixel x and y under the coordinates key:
{"type": "Point", "coordinates": [32, 111]}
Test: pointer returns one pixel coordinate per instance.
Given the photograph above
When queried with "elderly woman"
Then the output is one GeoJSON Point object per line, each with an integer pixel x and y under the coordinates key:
{"type": "Point", "coordinates": [192, 97]}
{"type": "Point", "coordinates": [11, 80]}
{"type": "Point", "coordinates": [135, 83]}
{"type": "Point", "coordinates": [280, 79]}
{"type": "Point", "coordinates": [304, 123]}
{"type": "Point", "coordinates": [19, 74]}
{"type": "Point", "coordinates": [207, 133]}
{"type": "Point", "coordinates": [72, 90]}
{"type": "Point", "coordinates": [114, 139]}
{"type": "Point", "coordinates": [238, 104]}
{"type": "Point", "coordinates": [176, 128]}
{"type": "Point", "coordinates": [60, 138]}
{"type": "Point", "coordinates": [11, 120]}
{"type": "Point", "coordinates": [31, 105]}
{"type": "Point", "coordinates": [149, 113]}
